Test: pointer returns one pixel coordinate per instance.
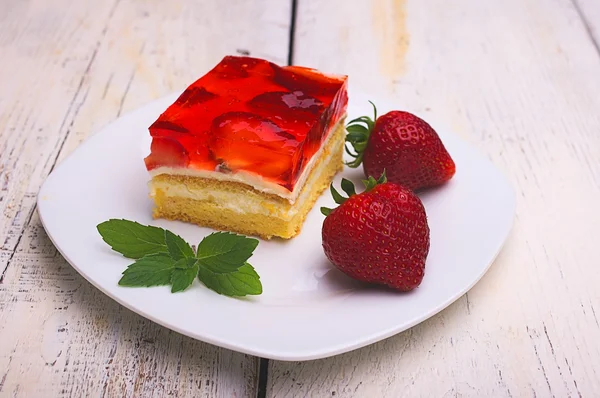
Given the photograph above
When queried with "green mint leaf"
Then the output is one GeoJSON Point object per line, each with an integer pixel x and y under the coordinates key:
{"type": "Point", "coordinates": [178, 248]}
{"type": "Point", "coordinates": [241, 282]}
{"type": "Point", "coordinates": [183, 275]}
{"type": "Point", "coordinates": [185, 263]}
{"type": "Point", "coordinates": [131, 239]}
{"type": "Point", "coordinates": [223, 252]}
{"type": "Point", "coordinates": [151, 270]}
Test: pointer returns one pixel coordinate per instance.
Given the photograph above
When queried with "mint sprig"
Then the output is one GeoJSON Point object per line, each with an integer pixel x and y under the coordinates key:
{"type": "Point", "coordinates": [236, 283]}
{"type": "Point", "coordinates": [224, 252]}
{"type": "Point", "coordinates": [184, 273]}
{"type": "Point", "coordinates": [150, 270]}
{"type": "Point", "coordinates": [164, 258]}
{"type": "Point", "coordinates": [178, 248]}
{"type": "Point", "coordinates": [131, 239]}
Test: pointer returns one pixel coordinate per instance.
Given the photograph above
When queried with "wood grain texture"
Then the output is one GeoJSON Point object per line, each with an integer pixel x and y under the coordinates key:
{"type": "Point", "coordinates": [518, 79]}
{"type": "Point", "coordinates": [68, 68]}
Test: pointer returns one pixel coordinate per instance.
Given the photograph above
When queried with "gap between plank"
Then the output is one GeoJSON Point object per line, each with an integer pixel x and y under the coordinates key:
{"type": "Point", "coordinates": [263, 378]}
{"type": "Point", "coordinates": [263, 364]}
{"type": "Point", "coordinates": [587, 26]}
{"type": "Point", "coordinates": [290, 60]}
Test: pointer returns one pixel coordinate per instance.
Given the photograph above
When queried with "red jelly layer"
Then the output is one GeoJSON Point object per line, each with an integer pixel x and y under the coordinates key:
{"type": "Point", "coordinates": [252, 115]}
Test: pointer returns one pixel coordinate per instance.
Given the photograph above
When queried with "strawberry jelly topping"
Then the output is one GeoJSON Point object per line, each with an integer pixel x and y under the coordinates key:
{"type": "Point", "coordinates": [252, 115]}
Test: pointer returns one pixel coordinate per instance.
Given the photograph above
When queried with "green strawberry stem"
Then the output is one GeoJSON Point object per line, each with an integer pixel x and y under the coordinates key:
{"type": "Point", "coordinates": [359, 130]}
{"type": "Point", "coordinates": [349, 189]}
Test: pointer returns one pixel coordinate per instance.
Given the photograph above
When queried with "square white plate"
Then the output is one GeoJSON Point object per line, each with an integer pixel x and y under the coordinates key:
{"type": "Point", "coordinates": [308, 309]}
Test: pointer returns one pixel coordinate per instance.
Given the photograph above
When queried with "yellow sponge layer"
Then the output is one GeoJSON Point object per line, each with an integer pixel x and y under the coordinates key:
{"type": "Point", "coordinates": [237, 207]}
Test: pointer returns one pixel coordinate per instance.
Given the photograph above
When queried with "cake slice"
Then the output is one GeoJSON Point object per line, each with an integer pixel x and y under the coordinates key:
{"type": "Point", "coordinates": [248, 147]}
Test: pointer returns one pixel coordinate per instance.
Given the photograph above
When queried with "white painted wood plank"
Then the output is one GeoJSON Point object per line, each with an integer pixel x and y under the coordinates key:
{"type": "Point", "coordinates": [62, 337]}
{"type": "Point", "coordinates": [67, 69]}
{"type": "Point", "coordinates": [519, 79]}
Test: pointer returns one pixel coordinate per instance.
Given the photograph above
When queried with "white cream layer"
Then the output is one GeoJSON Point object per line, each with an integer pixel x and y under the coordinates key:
{"type": "Point", "coordinates": [254, 180]}
{"type": "Point", "coordinates": [253, 204]}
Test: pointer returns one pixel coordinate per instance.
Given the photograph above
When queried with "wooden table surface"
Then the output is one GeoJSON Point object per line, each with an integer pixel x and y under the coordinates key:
{"type": "Point", "coordinates": [517, 79]}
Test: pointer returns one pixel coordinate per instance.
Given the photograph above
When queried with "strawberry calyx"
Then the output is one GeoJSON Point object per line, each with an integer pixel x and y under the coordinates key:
{"type": "Point", "coordinates": [359, 130]}
{"type": "Point", "coordinates": [349, 189]}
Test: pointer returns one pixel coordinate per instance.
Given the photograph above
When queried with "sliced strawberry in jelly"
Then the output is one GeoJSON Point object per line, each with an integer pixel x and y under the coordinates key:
{"type": "Point", "coordinates": [165, 127]}
{"type": "Point", "coordinates": [249, 114]}
{"type": "Point", "coordinates": [286, 105]}
{"type": "Point", "coordinates": [244, 141]}
{"type": "Point", "coordinates": [166, 152]}
{"type": "Point", "coordinates": [194, 96]}
{"type": "Point", "coordinates": [198, 153]}
{"type": "Point", "coordinates": [310, 82]}
{"type": "Point", "coordinates": [240, 67]}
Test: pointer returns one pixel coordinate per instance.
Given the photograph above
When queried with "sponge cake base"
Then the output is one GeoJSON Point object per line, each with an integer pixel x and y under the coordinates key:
{"type": "Point", "coordinates": [237, 207]}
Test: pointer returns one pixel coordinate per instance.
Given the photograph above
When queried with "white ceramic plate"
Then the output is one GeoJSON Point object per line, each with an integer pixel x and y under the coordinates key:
{"type": "Point", "coordinates": [308, 309]}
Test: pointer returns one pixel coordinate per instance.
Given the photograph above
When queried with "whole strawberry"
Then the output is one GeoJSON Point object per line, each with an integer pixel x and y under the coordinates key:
{"type": "Point", "coordinates": [402, 144]}
{"type": "Point", "coordinates": [379, 236]}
